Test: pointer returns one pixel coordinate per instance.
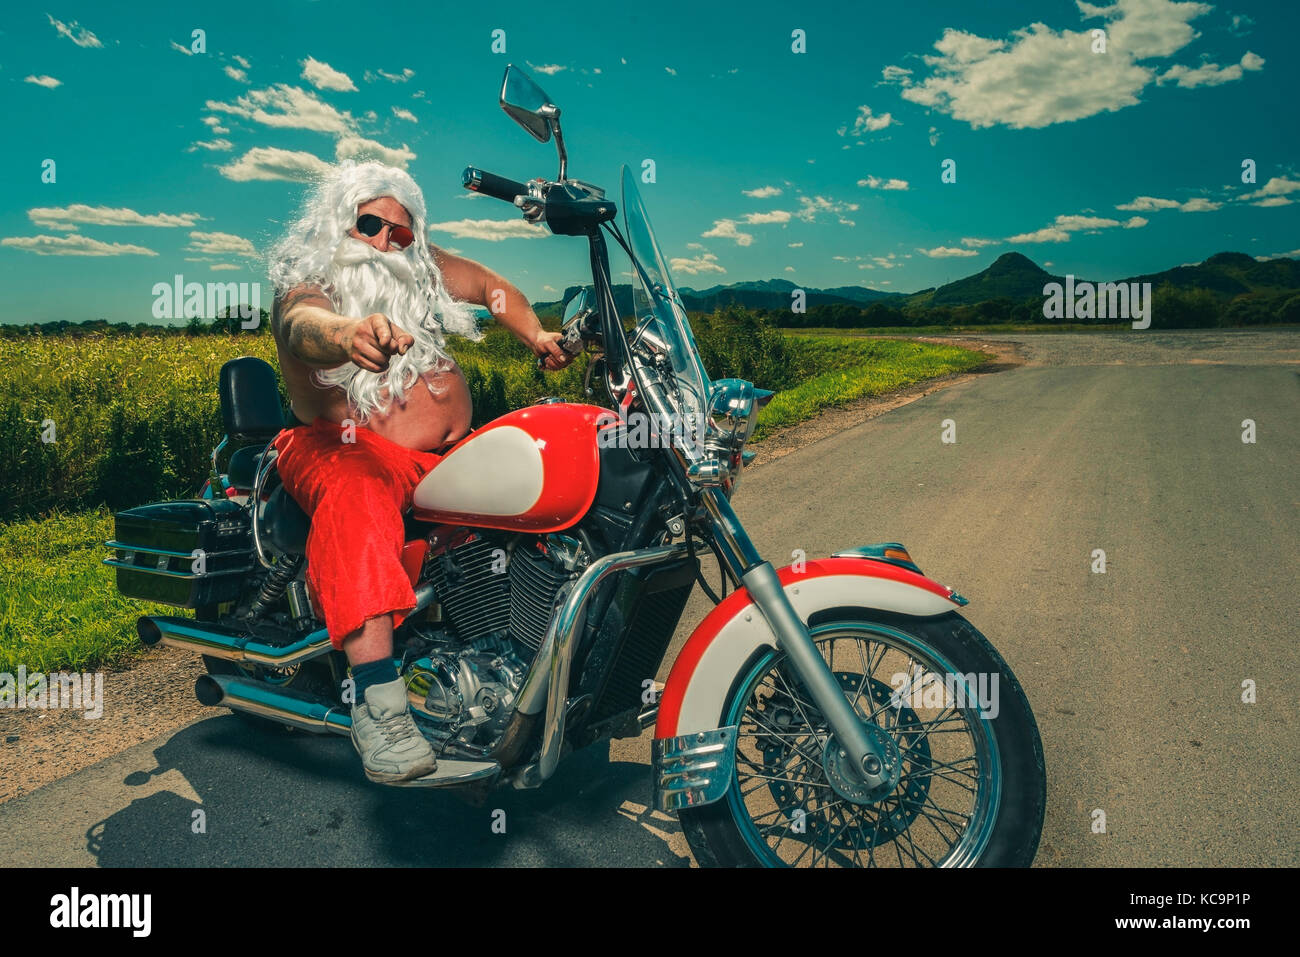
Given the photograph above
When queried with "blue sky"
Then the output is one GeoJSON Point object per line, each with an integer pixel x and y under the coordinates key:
{"type": "Point", "coordinates": [822, 167]}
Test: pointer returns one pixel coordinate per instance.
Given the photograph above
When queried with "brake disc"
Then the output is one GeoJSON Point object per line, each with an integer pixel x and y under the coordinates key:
{"type": "Point", "coordinates": [796, 792]}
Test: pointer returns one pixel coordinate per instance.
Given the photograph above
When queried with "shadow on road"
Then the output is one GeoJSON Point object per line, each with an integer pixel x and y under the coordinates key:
{"type": "Point", "coordinates": [273, 799]}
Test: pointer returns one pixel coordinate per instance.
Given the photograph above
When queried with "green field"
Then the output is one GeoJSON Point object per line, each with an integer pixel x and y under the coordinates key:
{"type": "Point", "coordinates": [135, 419]}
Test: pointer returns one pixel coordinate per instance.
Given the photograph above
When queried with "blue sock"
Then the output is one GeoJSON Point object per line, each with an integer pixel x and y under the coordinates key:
{"type": "Point", "coordinates": [373, 673]}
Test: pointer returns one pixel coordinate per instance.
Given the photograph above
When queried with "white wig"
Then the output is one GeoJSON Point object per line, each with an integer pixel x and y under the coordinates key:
{"type": "Point", "coordinates": [318, 250]}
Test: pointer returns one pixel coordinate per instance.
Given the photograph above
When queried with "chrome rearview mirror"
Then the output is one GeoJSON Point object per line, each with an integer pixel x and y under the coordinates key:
{"type": "Point", "coordinates": [580, 306]}
{"type": "Point", "coordinates": [528, 105]}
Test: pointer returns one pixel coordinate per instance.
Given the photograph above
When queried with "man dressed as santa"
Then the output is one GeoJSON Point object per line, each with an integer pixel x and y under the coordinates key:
{"type": "Point", "coordinates": [362, 302]}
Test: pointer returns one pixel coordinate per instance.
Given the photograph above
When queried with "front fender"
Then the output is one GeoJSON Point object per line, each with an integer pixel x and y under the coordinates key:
{"type": "Point", "coordinates": [719, 647]}
{"type": "Point", "coordinates": [694, 757]}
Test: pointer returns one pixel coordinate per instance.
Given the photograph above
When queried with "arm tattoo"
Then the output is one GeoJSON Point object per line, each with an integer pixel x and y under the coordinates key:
{"type": "Point", "coordinates": [306, 336]}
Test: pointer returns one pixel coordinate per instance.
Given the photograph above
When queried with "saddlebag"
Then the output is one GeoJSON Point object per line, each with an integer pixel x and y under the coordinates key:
{"type": "Point", "coordinates": [186, 553]}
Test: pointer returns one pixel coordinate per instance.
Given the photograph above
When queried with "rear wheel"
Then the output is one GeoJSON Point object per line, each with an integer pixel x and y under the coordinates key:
{"type": "Point", "coordinates": [969, 785]}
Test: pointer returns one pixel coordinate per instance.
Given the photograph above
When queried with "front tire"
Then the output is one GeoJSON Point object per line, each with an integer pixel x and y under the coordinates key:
{"type": "Point", "coordinates": [971, 788]}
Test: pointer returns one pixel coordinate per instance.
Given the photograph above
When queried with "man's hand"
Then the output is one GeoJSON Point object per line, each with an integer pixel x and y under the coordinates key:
{"type": "Point", "coordinates": [549, 354]}
{"type": "Point", "coordinates": [370, 342]}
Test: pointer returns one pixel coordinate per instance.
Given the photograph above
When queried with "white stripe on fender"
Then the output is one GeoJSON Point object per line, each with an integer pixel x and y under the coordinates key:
{"type": "Point", "coordinates": [496, 473]}
{"type": "Point", "coordinates": [748, 630]}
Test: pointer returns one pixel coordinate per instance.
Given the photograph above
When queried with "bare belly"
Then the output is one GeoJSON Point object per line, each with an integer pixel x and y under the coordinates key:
{"type": "Point", "coordinates": [425, 421]}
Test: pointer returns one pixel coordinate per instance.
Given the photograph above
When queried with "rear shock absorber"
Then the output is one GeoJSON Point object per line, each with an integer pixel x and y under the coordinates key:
{"type": "Point", "coordinates": [276, 582]}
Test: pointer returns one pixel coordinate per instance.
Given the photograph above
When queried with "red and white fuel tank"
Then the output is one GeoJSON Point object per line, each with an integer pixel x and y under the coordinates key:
{"type": "Point", "coordinates": [532, 470]}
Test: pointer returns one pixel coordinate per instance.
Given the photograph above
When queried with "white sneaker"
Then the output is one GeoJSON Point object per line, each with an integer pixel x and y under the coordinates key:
{"type": "Point", "coordinates": [384, 734]}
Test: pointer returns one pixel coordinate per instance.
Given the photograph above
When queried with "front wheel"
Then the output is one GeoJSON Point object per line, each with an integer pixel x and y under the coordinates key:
{"type": "Point", "coordinates": [968, 786]}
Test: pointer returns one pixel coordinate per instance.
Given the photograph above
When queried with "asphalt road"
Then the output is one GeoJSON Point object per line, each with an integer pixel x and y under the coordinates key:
{"type": "Point", "coordinates": [1129, 443]}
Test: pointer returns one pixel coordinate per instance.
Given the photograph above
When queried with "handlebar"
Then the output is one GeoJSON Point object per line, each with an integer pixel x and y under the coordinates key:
{"type": "Point", "coordinates": [490, 184]}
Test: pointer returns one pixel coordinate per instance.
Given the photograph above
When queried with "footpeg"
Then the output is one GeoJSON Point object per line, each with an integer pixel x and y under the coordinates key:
{"type": "Point", "coordinates": [452, 772]}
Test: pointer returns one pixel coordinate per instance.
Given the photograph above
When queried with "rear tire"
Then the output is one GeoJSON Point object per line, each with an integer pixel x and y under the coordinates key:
{"type": "Point", "coordinates": [781, 808]}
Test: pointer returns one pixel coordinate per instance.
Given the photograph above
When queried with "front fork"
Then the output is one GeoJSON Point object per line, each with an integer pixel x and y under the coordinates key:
{"type": "Point", "coordinates": [862, 752]}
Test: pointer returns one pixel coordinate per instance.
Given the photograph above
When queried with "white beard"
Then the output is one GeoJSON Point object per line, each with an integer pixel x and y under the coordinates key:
{"type": "Point", "coordinates": [366, 281]}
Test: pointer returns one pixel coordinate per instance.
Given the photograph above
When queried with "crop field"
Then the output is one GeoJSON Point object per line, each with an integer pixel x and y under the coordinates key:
{"type": "Point", "coordinates": [96, 423]}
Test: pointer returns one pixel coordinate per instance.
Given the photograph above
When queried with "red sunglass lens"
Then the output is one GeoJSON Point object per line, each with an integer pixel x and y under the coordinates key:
{"type": "Point", "coordinates": [401, 237]}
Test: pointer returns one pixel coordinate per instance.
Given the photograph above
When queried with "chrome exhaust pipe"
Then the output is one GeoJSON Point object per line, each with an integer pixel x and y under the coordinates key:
{"type": "Point", "coordinates": [206, 638]}
{"type": "Point", "coordinates": [282, 705]}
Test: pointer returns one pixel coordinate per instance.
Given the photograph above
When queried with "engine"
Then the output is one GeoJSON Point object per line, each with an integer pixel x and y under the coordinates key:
{"type": "Point", "coordinates": [496, 594]}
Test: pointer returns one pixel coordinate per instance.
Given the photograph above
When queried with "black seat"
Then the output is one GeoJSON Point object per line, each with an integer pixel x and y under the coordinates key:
{"type": "Point", "coordinates": [243, 466]}
{"type": "Point", "coordinates": [250, 399]}
{"type": "Point", "coordinates": [285, 523]}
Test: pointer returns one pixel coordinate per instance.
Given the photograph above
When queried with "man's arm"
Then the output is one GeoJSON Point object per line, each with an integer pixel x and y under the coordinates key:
{"type": "Point", "coordinates": [473, 282]}
{"type": "Point", "coordinates": [304, 321]}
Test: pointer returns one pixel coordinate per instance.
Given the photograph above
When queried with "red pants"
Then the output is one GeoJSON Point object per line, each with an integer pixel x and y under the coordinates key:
{"type": "Point", "coordinates": [355, 494]}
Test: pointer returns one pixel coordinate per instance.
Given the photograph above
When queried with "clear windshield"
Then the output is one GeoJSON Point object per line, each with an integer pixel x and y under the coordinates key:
{"type": "Point", "coordinates": [659, 309]}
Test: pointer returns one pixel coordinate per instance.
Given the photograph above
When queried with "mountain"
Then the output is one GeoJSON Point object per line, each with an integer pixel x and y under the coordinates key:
{"type": "Point", "coordinates": [756, 294]}
{"type": "Point", "coordinates": [1011, 276]}
{"type": "Point", "coordinates": [1231, 274]}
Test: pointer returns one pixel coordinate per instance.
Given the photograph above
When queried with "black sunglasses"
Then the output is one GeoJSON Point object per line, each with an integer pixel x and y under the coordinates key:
{"type": "Point", "coordinates": [368, 224]}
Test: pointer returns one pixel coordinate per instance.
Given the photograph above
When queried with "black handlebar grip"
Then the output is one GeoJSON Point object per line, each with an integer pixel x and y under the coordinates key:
{"type": "Point", "coordinates": [490, 184]}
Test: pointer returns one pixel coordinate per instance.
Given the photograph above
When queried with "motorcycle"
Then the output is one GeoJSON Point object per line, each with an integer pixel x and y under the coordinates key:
{"type": "Point", "coordinates": [838, 711]}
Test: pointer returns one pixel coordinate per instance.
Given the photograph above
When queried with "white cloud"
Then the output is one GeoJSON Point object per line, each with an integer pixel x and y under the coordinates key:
{"type": "Point", "coordinates": [404, 114]}
{"type": "Point", "coordinates": [789, 269]}
{"type": "Point", "coordinates": [1038, 76]}
{"type": "Point", "coordinates": [48, 82]}
{"type": "Point", "coordinates": [1210, 74]}
{"type": "Point", "coordinates": [671, 70]}
{"type": "Point", "coordinates": [1060, 230]}
{"type": "Point", "coordinates": [236, 74]}
{"type": "Point", "coordinates": [946, 252]}
{"type": "Point", "coordinates": [358, 148]}
{"type": "Point", "coordinates": [402, 77]}
{"type": "Point", "coordinates": [695, 246]}
{"type": "Point", "coordinates": [219, 267]}
{"type": "Point", "coordinates": [706, 262]}
{"type": "Point", "coordinates": [181, 49]}
{"type": "Point", "coordinates": [269, 163]}
{"type": "Point", "coordinates": [550, 69]}
{"type": "Point", "coordinates": [1145, 204]}
{"type": "Point", "coordinates": [287, 107]}
{"type": "Point", "coordinates": [74, 245]}
{"type": "Point", "coordinates": [215, 123]}
{"type": "Point", "coordinates": [219, 145]}
{"type": "Point", "coordinates": [220, 244]}
{"type": "Point", "coordinates": [875, 182]}
{"type": "Point", "coordinates": [1293, 254]}
{"type": "Point", "coordinates": [974, 243]}
{"type": "Point", "coordinates": [867, 122]}
{"type": "Point", "coordinates": [814, 205]}
{"type": "Point", "coordinates": [68, 217]}
{"type": "Point", "coordinates": [1272, 193]}
{"type": "Point", "coordinates": [795, 245]}
{"type": "Point", "coordinates": [493, 230]}
{"type": "Point", "coordinates": [1048, 234]}
{"type": "Point", "coordinates": [76, 33]}
{"type": "Point", "coordinates": [763, 192]}
{"type": "Point", "coordinates": [726, 229]}
{"type": "Point", "coordinates": [242, 61]}
{"type": "Point", "coordinates": [774, 216]}
{"type": "Point", "coordinates": [325, 77]}
{"type": "Point", "coordinates": [934, 136]}
{"type": "Point", "coordinates": [895, 76]}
